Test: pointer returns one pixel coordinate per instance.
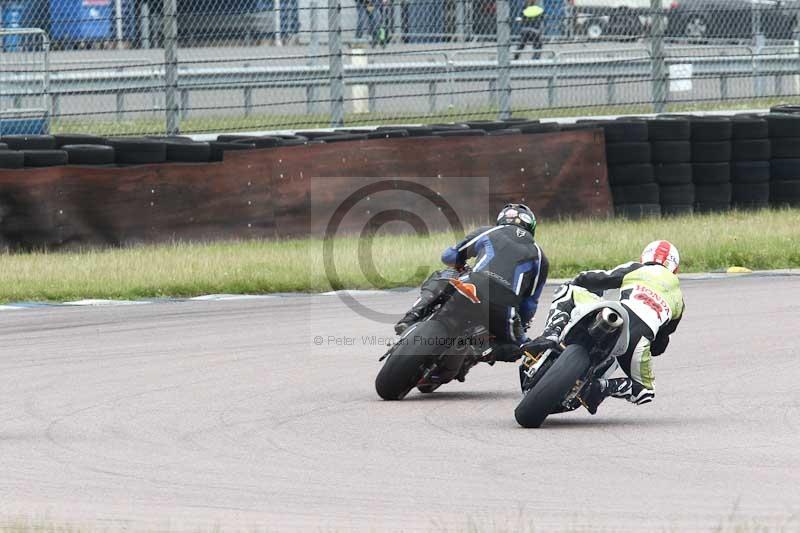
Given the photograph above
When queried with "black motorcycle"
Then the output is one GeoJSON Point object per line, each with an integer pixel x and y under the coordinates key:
{"type": "Point", "coordinates": [428, 354]}
{"type": "Point", "coordinates": [557, 380]}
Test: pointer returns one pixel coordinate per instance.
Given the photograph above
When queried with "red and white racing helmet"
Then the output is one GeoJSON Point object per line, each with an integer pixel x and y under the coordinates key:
{"type": "Point", "coordinates": [664, 253]}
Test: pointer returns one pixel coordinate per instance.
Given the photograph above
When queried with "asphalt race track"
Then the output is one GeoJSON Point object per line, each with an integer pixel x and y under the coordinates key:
{"type": "Point", "coordinates": [195, 415]}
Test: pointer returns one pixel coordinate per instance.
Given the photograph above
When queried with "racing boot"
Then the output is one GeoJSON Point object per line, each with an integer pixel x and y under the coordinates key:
{"type": "Point", "coordinates": [601, 389]}
{"type": "Point", "coordinates": [551, 334]}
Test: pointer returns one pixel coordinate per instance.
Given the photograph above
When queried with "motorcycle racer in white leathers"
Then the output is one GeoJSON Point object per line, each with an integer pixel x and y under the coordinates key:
{"type": "Point", "coordinates": [650, 291]}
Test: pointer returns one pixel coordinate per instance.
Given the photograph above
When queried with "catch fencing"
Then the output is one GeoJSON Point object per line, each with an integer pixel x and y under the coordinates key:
{"type": "Point", "coordinates": [192, 66]}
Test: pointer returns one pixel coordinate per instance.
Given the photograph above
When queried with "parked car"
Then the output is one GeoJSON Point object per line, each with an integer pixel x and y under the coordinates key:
{"type": "Point", "coordinates": [599, 19]}
{"type": "Point", "coordinates": [699, 20]}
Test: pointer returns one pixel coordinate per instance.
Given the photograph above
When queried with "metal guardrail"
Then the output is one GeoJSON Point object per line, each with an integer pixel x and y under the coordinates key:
{"type": "Point", "coordinates": [444, 71]}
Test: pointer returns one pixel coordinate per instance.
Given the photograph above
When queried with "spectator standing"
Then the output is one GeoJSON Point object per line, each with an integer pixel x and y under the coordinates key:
{"type": "Point", "coordinates": [532, 23]}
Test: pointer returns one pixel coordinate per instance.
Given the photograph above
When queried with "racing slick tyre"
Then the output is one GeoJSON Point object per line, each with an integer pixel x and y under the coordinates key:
{"type": "Point", "coordinates": [544, 127]}
{"type": "Point", "coordinates": [637, 211]}
{"type": "Point", "coordinates": [672, 151]}
{"type": "Point", "coordinates": [218, 148]}
{"type": "Point", "coordinates": [617, 131]}
{"type": "Point", "coordinates": [750, 150]}
{"type": "Point", "coordinates": [545, 395]}
{"type": "Point", "coordinates": [785, 193]}
{"type": "Point", "coordinates": [785, 148]}
{"type": "Point", "coordinates": [783, 125]}
{"type": "Point", "coordinates": [460, 133]}
{"type": "Point", "coordinates": [646, 193]}
{"type": "Point", "coordinates": [29, 142]}
{"type": "Point", "coordinates": [676, 195]}
{"type": "Point", "coordinates": [403, 369]}
{"type": "Point", "coordinates": [750, 172]}
{"type": "Point", "coordinates": [635, 174]}
{"type": "Point", "coordinates": [711, 152]}
{"type": "Point", "coordinates": [63, 139]}
{"type": "Point", "coordinates": [749, 127]}
{"type": "Point", "coordinates": [675, 210]}
{"type": "Point", "coordinates": [89, 154]}
{"type": "Point", "coordinates": [669, 129]}
{"type": "Point", "coordinates": [628, 153]}
{"type": "Point", "coordinates": [188, 152]}
{"type": "Point", "coordinates": [486, 125]}
{"type": "Point", "coordinates": [750, 195]}
{"type": "Point", "coordinates": [785, 169]}
{"type": "Point", "coordinates": [711, 129]}
{"type": "Point", "coordinates": [11, 159]}
{"type": "Point", "coordinates": [138, 150]}
{"type": "Point", "coordinates": [677, 174]}
{"type": "Point", "coordinates": [45, 158]}
{"type": "Point", "coordinates": [388, 134]}
{"type": "Point", "coordinates": [711, 173]}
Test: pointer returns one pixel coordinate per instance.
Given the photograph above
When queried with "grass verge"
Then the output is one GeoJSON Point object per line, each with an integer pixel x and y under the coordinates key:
{"type": "Point", "coordinates": [766, 239]}
{"type": "Point", "coordinates": [267, 122]}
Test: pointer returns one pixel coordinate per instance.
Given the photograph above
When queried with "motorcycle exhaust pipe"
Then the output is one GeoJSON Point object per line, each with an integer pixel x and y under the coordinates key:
{"type": "Point", "coordinates": [606, 322]}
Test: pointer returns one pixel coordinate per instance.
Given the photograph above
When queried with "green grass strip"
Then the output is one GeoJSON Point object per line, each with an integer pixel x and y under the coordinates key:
{"type": "Point", "coordinates": [768, 239]}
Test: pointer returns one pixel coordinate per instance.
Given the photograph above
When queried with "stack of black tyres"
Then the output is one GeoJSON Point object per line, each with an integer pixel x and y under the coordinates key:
{"type": "Point", "coordinates": [784, 134]}
{"type": "Point", "coordinates": [711, 163]}
{"type": "Point", "coordinates": [672, 164]}
{"type": "Point", "coordinates": [750, 162]}
{"type": "Point", "coordinates": [630, 171]}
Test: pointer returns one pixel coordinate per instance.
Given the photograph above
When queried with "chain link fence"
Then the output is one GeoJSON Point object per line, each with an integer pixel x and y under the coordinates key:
{"type": "Point", "coordinates": [193, 66]}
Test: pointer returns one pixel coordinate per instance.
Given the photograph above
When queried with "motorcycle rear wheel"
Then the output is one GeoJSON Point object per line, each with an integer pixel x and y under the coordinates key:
{"type": "Point", "coordinates": [405, 366]}
{"type": "Point", "coordinates": [545, 396]}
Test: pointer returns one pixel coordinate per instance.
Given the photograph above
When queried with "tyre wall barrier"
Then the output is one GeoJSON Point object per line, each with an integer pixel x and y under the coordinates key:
{"type": "Point", "coordinates": [679, 164]}
{"type": "Point", "coordinates": [61, 191]}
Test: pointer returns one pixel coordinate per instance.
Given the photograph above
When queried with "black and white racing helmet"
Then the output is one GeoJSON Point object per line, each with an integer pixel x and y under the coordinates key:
{"type": "Point", "coordinates": [518, 215]}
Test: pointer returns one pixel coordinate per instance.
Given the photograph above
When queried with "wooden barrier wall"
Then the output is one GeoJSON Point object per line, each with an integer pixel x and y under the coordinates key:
{"type": "Point", "coordinates": [292, 191]}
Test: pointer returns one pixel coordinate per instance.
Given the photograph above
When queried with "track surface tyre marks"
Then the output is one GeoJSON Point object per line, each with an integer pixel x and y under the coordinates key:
{"type": "Point", "coordinates": [710, 129]}
{"type": "Point", "coordinates": [89, 154]}
{"type": "Point", "coordinates": [647, 193]}
{"type": "Point", "coordinates": [710, 173]}
{"type": "Point", "coordinates": [751, 150]}
{"type": "Point", "coordinates": [750, 172]}
{"type": "Point", "coordinates": [669, 129]}
{"type": "Point", "coordinates": [191, 152]}
{"type": "Point", "coordinates": [711, 151]}
{"type": "Point", "coordinates": [637, 211]}
{"type": "Point", "coordinates": [785, 192]}
{"type": "Point", "coordinates": [785, 169]}
{"type": "Point", "coordinates": [783, 125]}
{"type": "Point", "coordinates": [671, 151]}
{"type": "Point", "coordinates": [635, 174]}
{"type": "Point", "coordinates": [138, 150]}
{"type": "Point", "coordinates": [628, 153]}
{"type": "Point", "coordinates": [749, 127]}
{"type": "Point", "coordinates": [29, 142]}
{"type": "Point", "coordinates": [673, 174]}
{"type": "Point", "coordinates": [11, 159]}
{"type": "Point", "coordinates": [676, 195]}
{"type": "Point", "coordinates": [786, 147]}
{"type": "Point", "coordinates": [44, 158]}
